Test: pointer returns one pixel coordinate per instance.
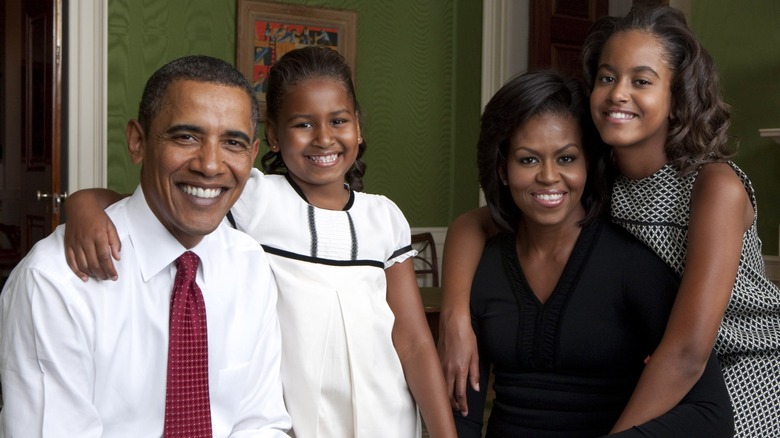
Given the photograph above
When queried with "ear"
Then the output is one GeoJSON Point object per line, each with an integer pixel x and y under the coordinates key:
{"type": "Point", "coordinates": [502, 174]}
{"type": "Point", "coordinates": [255, 149]}
{"type": "Point", "coordinates": [135, 141]}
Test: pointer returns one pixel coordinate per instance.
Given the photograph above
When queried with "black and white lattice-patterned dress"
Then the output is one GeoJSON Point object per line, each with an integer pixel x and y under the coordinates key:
{"type": "Point", "coordinates": [656, 210]}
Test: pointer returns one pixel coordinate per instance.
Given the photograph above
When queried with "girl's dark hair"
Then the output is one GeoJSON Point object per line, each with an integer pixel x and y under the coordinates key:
{"type": "Point", "coordinates": [522, 98]}
{"type": "Point", "coordinates": [198, 68]}
{"type": "Point", "coordinates": [699, 119]}
{"type": "Point", "coordinates": [295, 67]}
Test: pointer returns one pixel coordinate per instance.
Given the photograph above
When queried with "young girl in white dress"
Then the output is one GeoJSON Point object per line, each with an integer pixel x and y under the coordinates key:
{"type": "Point", "coordinates": [358, 357]}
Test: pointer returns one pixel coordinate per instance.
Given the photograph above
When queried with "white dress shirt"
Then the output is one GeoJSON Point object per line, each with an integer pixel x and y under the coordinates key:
{"type": "Point", "coordinates": [90, 359]}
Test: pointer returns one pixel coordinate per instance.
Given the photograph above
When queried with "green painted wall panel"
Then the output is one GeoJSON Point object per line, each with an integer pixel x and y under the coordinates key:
{"type": "Point", "coordinates": [417, 81]}
{"type": "Point", "coordinates": [467, 84]}
{"type": "Point", "coordinates": [744, 40]}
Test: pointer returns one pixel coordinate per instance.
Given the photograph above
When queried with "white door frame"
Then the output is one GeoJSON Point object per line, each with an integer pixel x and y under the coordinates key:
{"type": "Point", "coordinates": [85, 115]}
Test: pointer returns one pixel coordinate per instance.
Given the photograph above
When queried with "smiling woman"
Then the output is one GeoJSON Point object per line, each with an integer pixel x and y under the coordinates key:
{"type": "Point", "coordinates": [545, 170]}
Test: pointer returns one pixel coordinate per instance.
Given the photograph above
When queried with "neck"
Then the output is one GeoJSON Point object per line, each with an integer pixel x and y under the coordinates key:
{"type": "Point", "coordinates": [639, 163]}
{"type": "Point", "coordinates": [547, 241]}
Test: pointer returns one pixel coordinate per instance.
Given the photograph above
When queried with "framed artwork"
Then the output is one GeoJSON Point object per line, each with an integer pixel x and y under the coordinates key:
{"type": "Point", "coordinates": [268, 30]}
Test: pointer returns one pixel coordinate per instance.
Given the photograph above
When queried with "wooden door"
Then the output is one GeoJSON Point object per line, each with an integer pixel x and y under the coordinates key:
{"type": "Point", "coordinates": [557, 30]}
{"type": "Point", "coordinates": [30, 133]}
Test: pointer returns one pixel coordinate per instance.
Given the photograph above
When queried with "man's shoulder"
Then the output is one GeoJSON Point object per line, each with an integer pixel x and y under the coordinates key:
{"type": "Point", "coordinates": [237, 248]}
{"type": "Point", "coordinates": [234, 239]}
{"type": "Point", "coordinates": [45, 266]}
{"type": "Point", "coordinates": [48, 254]}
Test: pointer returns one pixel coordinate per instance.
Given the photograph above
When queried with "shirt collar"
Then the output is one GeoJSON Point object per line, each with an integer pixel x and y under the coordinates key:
{"type": "Point", "coordinates": [155, 246]}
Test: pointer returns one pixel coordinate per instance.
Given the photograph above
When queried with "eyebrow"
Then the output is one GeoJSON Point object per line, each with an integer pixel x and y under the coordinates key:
{"type": "Point", "coordinates": [637, 69]}
{"type": "Point", "coordinates": [557, 151]}
{"type": "Point", "coordinates": [198, 130]}
{"type": "Point", "coordinates": [238, 134]}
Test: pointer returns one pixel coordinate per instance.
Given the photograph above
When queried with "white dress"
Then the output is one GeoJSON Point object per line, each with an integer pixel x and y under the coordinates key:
{"type": "Point", "coordinates": [340, 372]}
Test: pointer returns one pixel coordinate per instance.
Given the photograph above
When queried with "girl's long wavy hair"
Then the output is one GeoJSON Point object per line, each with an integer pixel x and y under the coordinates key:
{"type": "Point", "coordinates": [699, 119]}
{"type": "Point", "coordinates": [296, 66]}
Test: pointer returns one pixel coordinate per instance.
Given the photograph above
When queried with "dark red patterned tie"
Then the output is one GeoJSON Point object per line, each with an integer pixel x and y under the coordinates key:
{"type": "Point", "coordinates": [187, 410]}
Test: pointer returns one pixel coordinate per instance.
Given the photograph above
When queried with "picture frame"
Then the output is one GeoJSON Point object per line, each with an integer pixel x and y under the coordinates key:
{"type": "Point", "coordinates": [267, 30]}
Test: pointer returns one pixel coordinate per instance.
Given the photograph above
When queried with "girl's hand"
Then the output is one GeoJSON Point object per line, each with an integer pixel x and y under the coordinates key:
{"type": "Point", "coordinates": [91, 240]}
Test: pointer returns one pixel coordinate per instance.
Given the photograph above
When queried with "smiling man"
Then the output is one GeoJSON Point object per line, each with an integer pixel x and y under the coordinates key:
{"type": "Point", "coordinates": [187, 343]}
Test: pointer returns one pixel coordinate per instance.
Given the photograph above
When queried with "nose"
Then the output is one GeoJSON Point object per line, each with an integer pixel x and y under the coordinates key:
{"type": "Point", "coordinates": [618, 93]}
{"type": "Point", "coordinates": [548, 173]}
{"type": "Point", "coordinates": [324, 137]}
{"type": "Point", "coordinates": [209, 159]}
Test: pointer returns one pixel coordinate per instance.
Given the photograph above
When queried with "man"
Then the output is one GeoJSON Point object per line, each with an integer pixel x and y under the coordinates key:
{"type": "Point", "coordinates": [92, 358]}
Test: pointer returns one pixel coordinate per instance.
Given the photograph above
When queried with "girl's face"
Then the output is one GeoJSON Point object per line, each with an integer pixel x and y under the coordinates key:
{"type": "Point", "coordinates": [546, 170]}
{"type": "Point", "coordinates": [631, 99]}
{"type": "Point", "coordinates": [317, 133]}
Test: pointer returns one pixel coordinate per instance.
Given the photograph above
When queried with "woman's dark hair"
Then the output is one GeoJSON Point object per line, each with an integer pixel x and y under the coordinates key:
{"type": "Point", "coordinates": [295, 67]}
{"type": "Point", "coordinates": [699, 119]}
{"type": "Point", "coordinates": [522, 98]}
{"type": "Point", "coordinates": [198, 68]}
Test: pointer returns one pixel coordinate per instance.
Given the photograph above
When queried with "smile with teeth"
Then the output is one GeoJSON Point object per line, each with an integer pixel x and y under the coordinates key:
{"type": "Point", "coordinates": [323, 159]}
{"type": "Point", "coordinates": [549, 197]}
{"type": "Point", "coordinates": [200, 192]}
{"type": "Point", "coordinates": [620, 115]}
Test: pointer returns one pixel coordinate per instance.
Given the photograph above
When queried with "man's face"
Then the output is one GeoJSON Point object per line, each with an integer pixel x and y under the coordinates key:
{"type": "Point", "coordinates": [196, 156]}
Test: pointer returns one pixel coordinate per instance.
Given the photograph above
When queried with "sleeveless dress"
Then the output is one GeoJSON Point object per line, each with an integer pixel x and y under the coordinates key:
{"type": "Point", "coordinates": [341, 375]}
{"type": "Point", "coordinates": [656, 210]}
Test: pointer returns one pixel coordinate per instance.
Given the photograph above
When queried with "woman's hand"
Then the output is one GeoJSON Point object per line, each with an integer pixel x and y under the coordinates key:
{"type": "Point", "coordinates": [459, 357]}
{"type": "Point", "coordinates": [457, 347]}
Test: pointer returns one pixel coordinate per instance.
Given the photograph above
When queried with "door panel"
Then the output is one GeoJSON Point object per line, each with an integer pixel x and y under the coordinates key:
{"type": "Point", "coordinates": [557, 30]}
{"type": "Point", "coordinates": [30, 134]}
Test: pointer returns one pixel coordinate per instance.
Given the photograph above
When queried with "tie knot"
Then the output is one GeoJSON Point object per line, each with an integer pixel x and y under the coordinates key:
{"type": "Point", "coordinates": [187, 263]}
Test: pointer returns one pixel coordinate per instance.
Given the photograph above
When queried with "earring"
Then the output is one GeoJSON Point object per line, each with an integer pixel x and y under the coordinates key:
{"type": "Point", "coordinates": [360, 139]}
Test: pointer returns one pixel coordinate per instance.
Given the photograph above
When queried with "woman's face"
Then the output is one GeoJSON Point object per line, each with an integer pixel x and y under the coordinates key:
{"type": "Point", "coordinates": [546, 170]}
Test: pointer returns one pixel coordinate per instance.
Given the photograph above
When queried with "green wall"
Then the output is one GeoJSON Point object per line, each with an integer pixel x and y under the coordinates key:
{"type": "Point", "coordinates": [417, 77]}
{"type": "Point", "coordinates": [418, 80]}
{"type": "Point", "coordinates": [744, 39]}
